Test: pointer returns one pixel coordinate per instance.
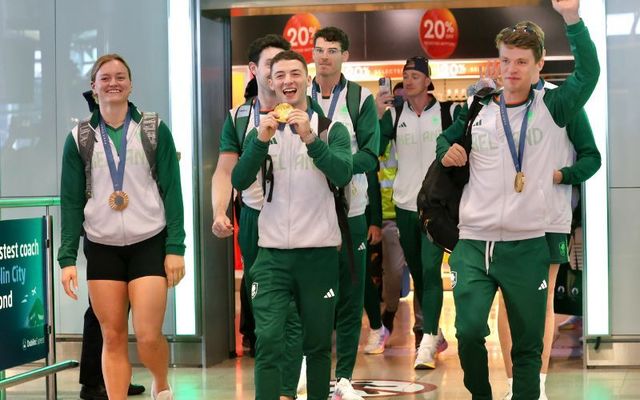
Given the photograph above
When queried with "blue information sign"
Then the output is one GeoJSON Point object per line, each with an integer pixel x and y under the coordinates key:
{"type": "Point", "coordinates": [23, 303]}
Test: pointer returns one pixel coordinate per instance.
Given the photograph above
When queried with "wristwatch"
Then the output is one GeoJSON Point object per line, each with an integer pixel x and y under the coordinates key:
{"type": "Point", "coordinates": [311, 137]}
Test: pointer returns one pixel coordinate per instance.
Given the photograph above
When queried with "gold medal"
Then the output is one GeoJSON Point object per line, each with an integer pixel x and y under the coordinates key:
{"type": "Point", "coordinates": [283, 110]}
{"type": "Point", "coordinates": [519, 182]}
{"type": "Point", "coordinates": [118, 200]}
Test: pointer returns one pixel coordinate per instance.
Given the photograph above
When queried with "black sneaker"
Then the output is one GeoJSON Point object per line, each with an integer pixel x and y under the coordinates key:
{"type": "Point", "coordinates": [93, 392]}
{"type": "Point", "coordinates": [135, 389]}
{"type": "Point", "coordinates": [100, 392]}
{"type": "Point", "coordinates": [249, 346]}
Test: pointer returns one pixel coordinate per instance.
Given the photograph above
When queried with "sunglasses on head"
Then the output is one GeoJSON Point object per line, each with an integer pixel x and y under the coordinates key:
{"type": "Point", "coordinates": [526, 29]}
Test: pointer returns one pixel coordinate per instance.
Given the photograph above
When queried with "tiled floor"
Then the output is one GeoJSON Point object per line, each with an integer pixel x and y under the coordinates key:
{"type": "Point", "coordinates": [233, 379]}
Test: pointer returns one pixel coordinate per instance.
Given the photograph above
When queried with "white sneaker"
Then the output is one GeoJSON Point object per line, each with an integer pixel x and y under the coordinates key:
{"type": "Point", "coordinates": [163, 395]}
{"type": "Point", "coordinates": [509, 393]}
{"type": "Point", "coordinates": [429, 347]}
{"type": "Point", "coordinates": [344, 391]}
{"type": "Point", "coordinates": [376, 341]}
{"type": "Point", "coordinates": [302, 381]}
{"type": "Point", "coordinates": [442, 343]}
{"type": "Point", "coordinates": [543, 394]}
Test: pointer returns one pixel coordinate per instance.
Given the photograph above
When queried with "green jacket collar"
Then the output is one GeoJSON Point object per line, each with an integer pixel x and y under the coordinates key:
{"type": "Point", "coordinates": [136, 116]}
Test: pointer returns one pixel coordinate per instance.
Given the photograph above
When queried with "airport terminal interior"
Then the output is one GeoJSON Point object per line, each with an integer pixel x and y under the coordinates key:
{"type": "Point", "coordinates": [189, 64]}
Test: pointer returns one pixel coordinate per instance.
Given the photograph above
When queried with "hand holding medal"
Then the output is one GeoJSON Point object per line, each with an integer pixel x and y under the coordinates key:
{"type": "Point", "coordinates": [283, 110]}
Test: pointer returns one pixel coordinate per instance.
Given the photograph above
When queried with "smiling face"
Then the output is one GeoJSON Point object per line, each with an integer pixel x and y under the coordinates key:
{"type": "Point", "coordinates": [518, 68]}
{"type": "Point", "coordinates": [112, 83]}
{"type": "Point", "coordinates": [289, 81]}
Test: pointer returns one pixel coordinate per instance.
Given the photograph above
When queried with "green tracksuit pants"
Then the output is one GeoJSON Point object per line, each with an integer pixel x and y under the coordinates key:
{"type": "Point", "coordinates": [425, 263]}
{"type": "Point", "coordinates": [350, 298]}
{"type": "Point", "coordinates": [349, 308]}
{"type": "Point", "coordinates": [521, 270]}
{"type": "Point", "coordinates": [292, 358]}
{"type": "Point", "coordinates": [310, 277]}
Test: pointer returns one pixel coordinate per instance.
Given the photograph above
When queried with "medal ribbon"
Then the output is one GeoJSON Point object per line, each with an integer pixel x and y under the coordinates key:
{"type": "Point", "coordinates": [117, 174]}
{"type": "Point", "coordinates": [256, 113]}
{"type": "Point", "coordinates": [517, 157]}
{"type": "Point", "coordinates": [335, 94]}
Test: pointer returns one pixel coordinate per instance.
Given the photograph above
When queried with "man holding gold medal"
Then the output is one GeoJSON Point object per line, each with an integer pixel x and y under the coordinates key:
{"type": "Point", "coordinates": [129, 205]}
{"type": "Point", "coordinates": [503, 212]}
{"type": "Point", "coordinates": [298, 231]}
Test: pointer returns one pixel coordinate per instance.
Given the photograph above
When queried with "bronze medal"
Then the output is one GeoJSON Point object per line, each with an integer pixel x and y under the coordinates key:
{"type": "Point", "coordinates": [118, 200]}
{"type": "Point", "coordinates": [519, 182]}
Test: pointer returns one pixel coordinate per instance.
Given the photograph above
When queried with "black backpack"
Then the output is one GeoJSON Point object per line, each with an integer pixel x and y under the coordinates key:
{"type": "Point", "coordinates": [439, 196]}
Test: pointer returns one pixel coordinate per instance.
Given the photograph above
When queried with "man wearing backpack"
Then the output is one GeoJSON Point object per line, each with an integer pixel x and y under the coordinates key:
{"type": "Point", "coordinates": [298, 226]}
{"type": "Point", "coordinates": [238, 122]}
{"type": "Point", "coordinates": [353, 106]}
{"type": "Point", "coordinates": [503, 213]}
{"type": "Point", "coordinates": [414, 127]}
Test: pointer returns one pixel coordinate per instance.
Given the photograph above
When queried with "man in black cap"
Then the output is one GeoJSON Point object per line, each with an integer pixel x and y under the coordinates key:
{"type": "Point", "coordinates": [415, 127]}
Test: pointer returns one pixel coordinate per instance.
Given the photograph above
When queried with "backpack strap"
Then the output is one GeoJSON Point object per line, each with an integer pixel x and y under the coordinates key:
{"type": "Point", "coordinates": [340, 200]}
{"type": "Point", "coordinates": [445, 114]}
{"type": "Point", "coordinates": [354, 94]}
{"type": "Point", "coordinates": [267, 179]}
{"type": "Point", "coordinates": [474, 110]}
{"type": "Point", "coordinates": [323, 128]}
{"type": "Point", "coordinates": [241, 120]}
{"type": "Point", "coordinates": [86, 142]}
{"type": "Point", "coordinates": [241, 123]}
{"type": "Point", "coordinates": [397, 118]}
{"type": "Point", "coordinates": [149, 138]}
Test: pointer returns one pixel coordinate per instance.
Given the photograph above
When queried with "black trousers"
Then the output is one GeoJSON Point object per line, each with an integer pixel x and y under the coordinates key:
{"type": "Point", "coordinates": [247, 323]}
{"type": "Point", "coordinates": [91, 357]}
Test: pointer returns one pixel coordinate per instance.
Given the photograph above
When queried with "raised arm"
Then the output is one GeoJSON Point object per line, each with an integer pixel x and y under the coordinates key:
{"type": "Point", "coordinates": [565, 101]}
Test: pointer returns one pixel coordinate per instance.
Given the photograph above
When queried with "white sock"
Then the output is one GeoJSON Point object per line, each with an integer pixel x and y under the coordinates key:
{"type": "Point", "coordinates": [510, 382]}
{"type": "Point", "coordinates": [543, 379]}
